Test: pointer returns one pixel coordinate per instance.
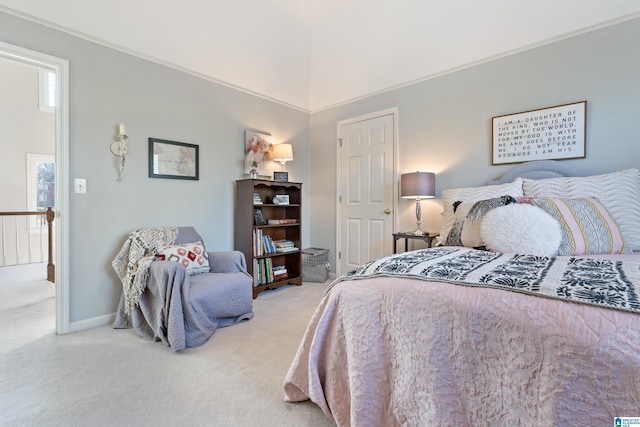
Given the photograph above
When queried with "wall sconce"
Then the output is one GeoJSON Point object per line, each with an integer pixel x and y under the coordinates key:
{"type": "Point", "coordinates": [282, 153]}
{"type": "Point", "coordinates": [119, 148]}
{"type": "Point", "coordinates": [418, 185]}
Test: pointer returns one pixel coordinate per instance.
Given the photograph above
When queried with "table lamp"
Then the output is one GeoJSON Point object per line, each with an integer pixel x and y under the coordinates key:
{"type": "Point", "coordinates": [282, 153]}
{"type": "Point", "coordinates": [418, 185]}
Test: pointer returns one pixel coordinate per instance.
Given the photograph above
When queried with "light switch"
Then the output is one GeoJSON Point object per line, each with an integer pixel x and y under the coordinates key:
{"type": "Point", "coordinates": [80, 186]}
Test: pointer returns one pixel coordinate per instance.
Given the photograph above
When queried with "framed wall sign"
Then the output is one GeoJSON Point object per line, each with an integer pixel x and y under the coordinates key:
{"type": "Point", "coordinates": [171, 159]}
{"type": "Point", "coordinates": [281, 176]}
{"type": "Point", "coordinates": [553, 133]}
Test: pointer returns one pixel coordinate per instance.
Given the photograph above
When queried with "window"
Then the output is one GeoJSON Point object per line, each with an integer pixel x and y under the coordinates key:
{"type": "Point", "coordinates": [47, 91]}
{"type": "Point", "coordinates": [40, 184]}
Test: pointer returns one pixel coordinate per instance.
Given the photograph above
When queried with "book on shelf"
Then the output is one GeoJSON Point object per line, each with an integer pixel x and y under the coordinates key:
{"type": "Point", "coordinates": [282, 221]}
{"type": "Point", "coordinates": [263, 272]}
{"type": "Point", "coordinates": [257, 237]}
{"type": "Point", "coordinates": [256, 275]}
{"type": "Point", "coordinates": [283, 243]}
{"type": "Point", "coordinates": [262, 243]}
{"type": "Point", "coordinates": [280, 272]}
{"type": "Point", "coordinates": [284, 246]}
{"type": "Point", "coordinates": [268, 245]}
{"type": "Point", "coordinates": [256, 199]}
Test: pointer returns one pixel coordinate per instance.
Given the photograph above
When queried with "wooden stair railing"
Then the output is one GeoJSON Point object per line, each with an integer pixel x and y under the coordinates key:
{"type": "Point", "coordinates": [49, 214]}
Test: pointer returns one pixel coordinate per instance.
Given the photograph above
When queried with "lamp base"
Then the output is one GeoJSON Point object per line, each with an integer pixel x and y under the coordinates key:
{"type": "Point", "coordinates": [418, 232]}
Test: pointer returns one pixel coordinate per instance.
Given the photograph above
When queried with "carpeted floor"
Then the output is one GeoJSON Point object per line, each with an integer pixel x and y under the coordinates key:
{"type": "Point", "coordinates": [108, 377]}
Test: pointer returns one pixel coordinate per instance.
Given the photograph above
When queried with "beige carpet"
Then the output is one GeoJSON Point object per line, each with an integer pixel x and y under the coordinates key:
{"type": "Point", "coordinates": [107, 377]}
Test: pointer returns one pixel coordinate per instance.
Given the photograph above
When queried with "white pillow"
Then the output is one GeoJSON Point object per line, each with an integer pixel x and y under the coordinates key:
{"type": "Point", "coordinates": [521, 228]}
{"type": "Point", "coordinates": [472, 194]}
{"type": "Point", "coordinates": [619, 193]}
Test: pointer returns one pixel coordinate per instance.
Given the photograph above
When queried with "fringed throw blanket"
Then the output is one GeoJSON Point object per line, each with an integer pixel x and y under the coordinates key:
{"type": "Point", "coordinates": [606, 283]}
{"type": "Point", "coordinates": [132, 262]}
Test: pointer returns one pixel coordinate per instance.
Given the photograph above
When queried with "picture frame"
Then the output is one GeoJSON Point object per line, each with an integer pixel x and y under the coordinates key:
{"type": "Point", "coordinates": [281, 176]}
{"type": "Point", "coordinates": [256, 152]}
{"type": "Point", "coordinates": [258, 217]}
{"type": "Point", "coordinates": [173, 160]}
{"type": "Point", "coordinates": [281, 199]}
{"type": "Point", "coordinates": [553, 133]}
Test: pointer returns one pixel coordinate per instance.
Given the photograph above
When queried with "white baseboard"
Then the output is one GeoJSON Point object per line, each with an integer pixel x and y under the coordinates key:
{"type": "Point", "coordinates": [92, 323]}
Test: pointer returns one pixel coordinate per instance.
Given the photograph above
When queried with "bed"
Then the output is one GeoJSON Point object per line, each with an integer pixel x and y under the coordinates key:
{"type": "Point", "coordinates": [467, 334]}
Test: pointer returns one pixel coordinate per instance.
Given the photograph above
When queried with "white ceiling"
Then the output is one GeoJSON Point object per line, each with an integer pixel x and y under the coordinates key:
{"type": "Point", "coordinates": [315, 54]}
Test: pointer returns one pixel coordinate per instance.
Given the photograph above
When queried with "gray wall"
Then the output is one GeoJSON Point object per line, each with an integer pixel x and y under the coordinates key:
{"type": "Point", "coordinates": [108, 87]}
{"type": "Point", "coordinates": [444, 126]}
{"type": "Point", "coordinates": [24, 129]}
{"type": "Point", "coordinates": [445, 122]}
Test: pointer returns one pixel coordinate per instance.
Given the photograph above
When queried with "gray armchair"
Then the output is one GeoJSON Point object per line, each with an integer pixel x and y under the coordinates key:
{"type": "Point", "coordinates": [184, 311]}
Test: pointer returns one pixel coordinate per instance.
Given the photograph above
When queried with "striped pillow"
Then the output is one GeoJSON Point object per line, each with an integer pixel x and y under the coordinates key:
{"type": "Point", "coordinates": [587, 227]}
{"type": "Point", "coordinates": [618, 191]}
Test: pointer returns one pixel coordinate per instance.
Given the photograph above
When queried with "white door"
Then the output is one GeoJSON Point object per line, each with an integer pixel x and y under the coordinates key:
{"type": "Point", "coordinates": [366, 189]}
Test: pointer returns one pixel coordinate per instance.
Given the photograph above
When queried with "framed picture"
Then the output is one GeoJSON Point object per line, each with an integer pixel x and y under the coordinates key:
{"type": "Point", "coordinates": [258, 217]}
{"type": "Point", "coordinates": [553, 133]}
{"type": "Point", "coordinates": [174, 160]}
{"type": "Point", "coordinates": [281, 199]}
{"type": "Point", "coordinates": [281, 176]}
{"type": "Point", "coordinates": [256, 150]}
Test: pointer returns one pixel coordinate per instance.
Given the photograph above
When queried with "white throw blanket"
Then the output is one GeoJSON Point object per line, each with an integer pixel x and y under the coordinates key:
{"type": "Point", "coordinates": [137, 253]}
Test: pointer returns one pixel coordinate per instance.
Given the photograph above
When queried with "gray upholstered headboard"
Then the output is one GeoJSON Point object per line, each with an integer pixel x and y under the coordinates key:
{"type": "Point", "coordinates": [538, 169]}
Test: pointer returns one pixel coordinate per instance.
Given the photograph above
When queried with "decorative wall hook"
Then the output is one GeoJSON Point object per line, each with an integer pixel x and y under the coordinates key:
{"type": "Point", "coordinates": [119, 148]}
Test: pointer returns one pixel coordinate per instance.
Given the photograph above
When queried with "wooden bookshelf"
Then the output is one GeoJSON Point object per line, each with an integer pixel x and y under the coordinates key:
{"type": "Point", "coordinates": [253, 238]}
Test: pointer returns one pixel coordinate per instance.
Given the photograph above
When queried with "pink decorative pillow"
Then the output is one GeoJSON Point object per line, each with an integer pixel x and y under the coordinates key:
{"type": "Point", "coordinates": [191, 255]}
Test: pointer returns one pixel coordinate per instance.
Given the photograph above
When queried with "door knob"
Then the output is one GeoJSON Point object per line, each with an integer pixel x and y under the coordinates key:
{"type": "Point", "coordinates": [387, 211]}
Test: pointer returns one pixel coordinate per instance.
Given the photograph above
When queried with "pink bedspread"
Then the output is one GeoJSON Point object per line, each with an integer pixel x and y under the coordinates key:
{"type": "Point", "coordinates": [398, 351]}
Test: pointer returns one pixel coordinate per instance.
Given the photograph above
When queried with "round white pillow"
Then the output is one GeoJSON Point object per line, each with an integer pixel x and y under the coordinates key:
{"type": "Point", "coordinates": [521, 228]}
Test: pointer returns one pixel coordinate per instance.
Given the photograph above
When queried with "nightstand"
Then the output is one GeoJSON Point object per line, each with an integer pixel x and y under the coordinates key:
{"type": "Point", "coordinates": [406, 236]}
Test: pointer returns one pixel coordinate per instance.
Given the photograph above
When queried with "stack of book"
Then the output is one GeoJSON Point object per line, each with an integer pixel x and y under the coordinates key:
{"type": "Point", "coordinates": [256, 199]}
{"type": "Point", "coordinates": [285, 246]}
{"type": "Point", "coordinates": [262, 271]}
{"type": "Point", "coordinates": [263, 244]}
{"type": "Point", "coordinates": [282, 221]}
{"type": "Point", "coordinates": [280, 272]}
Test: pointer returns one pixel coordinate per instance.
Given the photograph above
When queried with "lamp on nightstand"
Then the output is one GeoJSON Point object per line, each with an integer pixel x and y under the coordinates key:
{"type": "Point", "coordinates": [418, 185]}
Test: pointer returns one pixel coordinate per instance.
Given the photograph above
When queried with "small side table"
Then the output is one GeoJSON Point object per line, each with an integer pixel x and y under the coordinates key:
{"type": "Point", "coordinates": [406, 236]}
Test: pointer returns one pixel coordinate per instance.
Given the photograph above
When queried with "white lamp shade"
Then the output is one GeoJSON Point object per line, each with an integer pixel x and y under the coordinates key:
{"type": "Point", "coordinates": [418, 185]}
{"type": "Point", "coordinates": [282, 153]}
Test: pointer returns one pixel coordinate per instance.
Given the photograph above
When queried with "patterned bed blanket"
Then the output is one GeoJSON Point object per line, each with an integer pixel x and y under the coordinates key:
{"type": "Point", "coordinates": [606, 283]}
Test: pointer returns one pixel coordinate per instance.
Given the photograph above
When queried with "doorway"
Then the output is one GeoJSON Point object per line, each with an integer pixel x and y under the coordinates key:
{"type": "Point", "coordinates": [60, 68]}
{"type": "Point", "coordinates": [367, 188]}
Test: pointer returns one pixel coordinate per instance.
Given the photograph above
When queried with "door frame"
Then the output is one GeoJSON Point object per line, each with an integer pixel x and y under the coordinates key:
{"type": "Point", "coordinates": [61, 68]}
{"type": "Point", "coordinates": [394, 111]}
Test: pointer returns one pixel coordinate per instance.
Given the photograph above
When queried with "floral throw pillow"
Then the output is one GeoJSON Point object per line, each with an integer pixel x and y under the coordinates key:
{"type": "Point", "coordinates": [191, 255]}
